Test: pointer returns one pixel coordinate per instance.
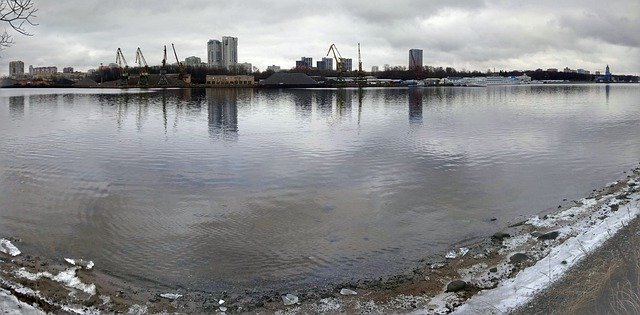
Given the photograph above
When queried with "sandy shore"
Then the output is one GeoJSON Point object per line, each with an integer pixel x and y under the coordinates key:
{"type": "Point", "coordinates": [493, 276]}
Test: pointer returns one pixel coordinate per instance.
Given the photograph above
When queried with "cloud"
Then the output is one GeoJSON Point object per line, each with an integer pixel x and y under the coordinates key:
{"type": "Point", "coordinates": [472, 34]}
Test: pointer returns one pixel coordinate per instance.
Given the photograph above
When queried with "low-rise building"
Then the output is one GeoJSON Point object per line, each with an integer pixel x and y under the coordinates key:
{"type": "Point", "coordinates": [43, 71]}
{"type": "Point", "coordinates": [230, 80]}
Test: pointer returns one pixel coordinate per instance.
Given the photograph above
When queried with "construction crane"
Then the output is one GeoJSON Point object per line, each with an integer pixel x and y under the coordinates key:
{"type": "Point", "coordinates": [163, 70]}
{"type": "Point", "coordinates": [182, 75]}
{"type": "Point", "coordinates": [124, 70]}
{"type": "Point", "coordinates": [144, 71]}
{"type": "Point", "coordinates": [359, 61]}
{"type": "Point", "coordinates": [338, 58]}
{"type": "Point", "coordinates": [360, 73]}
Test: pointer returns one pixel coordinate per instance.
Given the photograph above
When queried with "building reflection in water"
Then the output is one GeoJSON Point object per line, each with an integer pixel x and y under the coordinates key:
{"type": "Point", "coordinates": [344, 102]}
{"type": "Point", "coordinates": [415, 106]}
{"type": "Point", "coordinates": [222, 105]}
{"type": "Point", "coordinates": [303, 100]}
{"type": "Point", "coordinates": [16, 106]}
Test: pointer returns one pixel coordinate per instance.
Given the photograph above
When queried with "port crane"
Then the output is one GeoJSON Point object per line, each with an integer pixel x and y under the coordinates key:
{"type": "Point", "coordinates": [183, 76]}
{"type": "Point", "coordinates": [163, 70]}
{"type": "Point", "coordinates": [338, 58]}
{"type": "Point", "coordinates": [124, 70]}
{"type": "Point", "coordinates": [144, 71]}
{"type": "Point", "coordinates": [360, 73]}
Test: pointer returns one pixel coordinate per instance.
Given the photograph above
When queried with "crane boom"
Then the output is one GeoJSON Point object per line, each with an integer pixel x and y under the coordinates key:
{"type": "Point", "coordinates": [124, 71]}
{"type": "Point", "coordinates": [140, 58]}
{"type": "Point", "coordinates": [359, 60]}
{"type": "Point", "coordinates": [181, 75]}
{"type": "Point", "coordinates": [338, 58]}
{"type": "Point", "coordinates": [144, 72]}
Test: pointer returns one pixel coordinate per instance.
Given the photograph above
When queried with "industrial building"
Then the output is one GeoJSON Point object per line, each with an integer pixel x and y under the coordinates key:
{"type": "Point", "coordinates": [415, 59]}
{"type": "Point", "coordinates": [230, 80]}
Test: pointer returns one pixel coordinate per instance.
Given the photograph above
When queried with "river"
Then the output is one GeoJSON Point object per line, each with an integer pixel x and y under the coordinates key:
{"type": "Point", "coordinates": [211, 189]}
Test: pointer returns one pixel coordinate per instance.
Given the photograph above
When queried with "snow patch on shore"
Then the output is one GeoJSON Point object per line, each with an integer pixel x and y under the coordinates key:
{"type": "Point", "coordinates": [8, 248]}
{"type": "Point", "coordinates": [67, 278]}
{"type": "Point", "coordinates": [587, 235]}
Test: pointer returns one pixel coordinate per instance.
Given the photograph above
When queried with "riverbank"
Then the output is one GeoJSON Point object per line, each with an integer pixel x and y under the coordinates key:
{"type": "Point", "coordinates": [497, 275]}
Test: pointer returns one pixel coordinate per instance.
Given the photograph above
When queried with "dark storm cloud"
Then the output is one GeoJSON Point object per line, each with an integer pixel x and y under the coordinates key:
{"type": "Point", "coordinates": [465, 34]}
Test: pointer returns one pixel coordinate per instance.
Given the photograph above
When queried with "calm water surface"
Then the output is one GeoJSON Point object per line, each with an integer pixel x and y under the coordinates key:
{"type": "Point", "coordinates": [210, 189]}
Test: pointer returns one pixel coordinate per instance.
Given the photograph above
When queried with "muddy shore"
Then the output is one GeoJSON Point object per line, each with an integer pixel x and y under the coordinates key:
{"type": "Point", "coordinates": [437, 286]}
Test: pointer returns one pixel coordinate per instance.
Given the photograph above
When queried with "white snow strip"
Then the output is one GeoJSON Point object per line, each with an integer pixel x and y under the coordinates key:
{"type": "Point", "coordinates": [8, 248]}
{"type": "Point", "coordinates": [515, 292]}
{"type": "Point", "coordinates": [10, 305]}
{"type": "Point", "coordinates": [67, 277]}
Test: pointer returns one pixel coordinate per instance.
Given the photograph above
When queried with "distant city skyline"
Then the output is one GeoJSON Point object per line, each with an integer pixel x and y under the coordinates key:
{"type": "Point", "coordinates": [471, 35]}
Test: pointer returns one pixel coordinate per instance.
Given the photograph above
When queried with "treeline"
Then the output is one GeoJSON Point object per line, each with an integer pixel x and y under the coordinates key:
{"type": "Point", "coordinates": [198, 74]}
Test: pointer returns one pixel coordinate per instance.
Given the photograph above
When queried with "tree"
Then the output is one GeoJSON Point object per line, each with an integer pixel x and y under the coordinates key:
{"type": "Point", "coordinates": [18, 14]}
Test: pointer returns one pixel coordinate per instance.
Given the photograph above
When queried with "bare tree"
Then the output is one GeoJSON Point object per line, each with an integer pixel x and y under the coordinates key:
{"type": "Point", "coordinates": [18, 14]}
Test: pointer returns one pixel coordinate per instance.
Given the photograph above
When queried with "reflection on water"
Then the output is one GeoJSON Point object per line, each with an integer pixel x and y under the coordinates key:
{"type": "Point", "coordinates": [243, 188]}
{"type": "Point", "coordinates": [16, 105]}
{"type": "Point", "coordinates": [415, 106]}
{"type": "Point", "coordinates": [222, 107]}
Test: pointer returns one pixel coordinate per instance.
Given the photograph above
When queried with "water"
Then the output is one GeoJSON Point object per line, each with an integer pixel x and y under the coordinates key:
{"type": "Point", "coordinates": [211, 189]}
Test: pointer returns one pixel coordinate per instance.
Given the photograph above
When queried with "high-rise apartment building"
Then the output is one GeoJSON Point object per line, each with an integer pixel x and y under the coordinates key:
{"type": "Point", "coordinates": [325, 64]}
{"type": "Point", "coordinates": [16, 68]}
{"type": "Point", "coordinates": [229, 51]}
{"type": "Point", "coordinates": [304, 62]}
{"type": "Point", "coordinates": [192, 61]}
{"type": "Point", "coordinates": [347, 64]}
{"type": "Point", "coordinates": [415, 59]}
{"type": "Point", "coordinates": [214, 53]}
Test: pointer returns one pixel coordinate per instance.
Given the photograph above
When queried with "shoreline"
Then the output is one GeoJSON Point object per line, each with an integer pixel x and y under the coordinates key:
{"type": "Point", "coordinates": [462, 281]}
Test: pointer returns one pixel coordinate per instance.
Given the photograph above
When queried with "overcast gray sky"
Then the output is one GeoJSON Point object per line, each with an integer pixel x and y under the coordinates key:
{"type": "Point", "coordinates": [473, 34]}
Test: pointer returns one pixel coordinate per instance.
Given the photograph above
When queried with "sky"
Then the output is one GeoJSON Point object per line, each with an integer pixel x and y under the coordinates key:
{"type": "Point", "coordinates": [470, 35]}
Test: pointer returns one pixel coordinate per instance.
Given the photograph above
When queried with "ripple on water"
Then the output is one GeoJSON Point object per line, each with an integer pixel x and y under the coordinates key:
{"type": "Point", "coordinates": [266, 188]}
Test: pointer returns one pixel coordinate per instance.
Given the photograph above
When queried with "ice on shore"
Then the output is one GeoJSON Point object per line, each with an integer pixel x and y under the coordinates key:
{"type": "Point", "coordinates": [455, 254]}
{"type": "Point", "coordinates": [67, 278]}
{"type": "Point", "coordinates": [587, 234]}
{"type": "Point", "coordinates": [290, 299]}
{"type": "Point", "coordinates": [10, 305]}
{"type": "Point", "coordinates": [8, 248]}
{"type": "Point", "coordinates": [348, 292]}
{"type": "Point", "coordinates": [171, 296]}
{"type": "Point", "coordinates": [86, 264]}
